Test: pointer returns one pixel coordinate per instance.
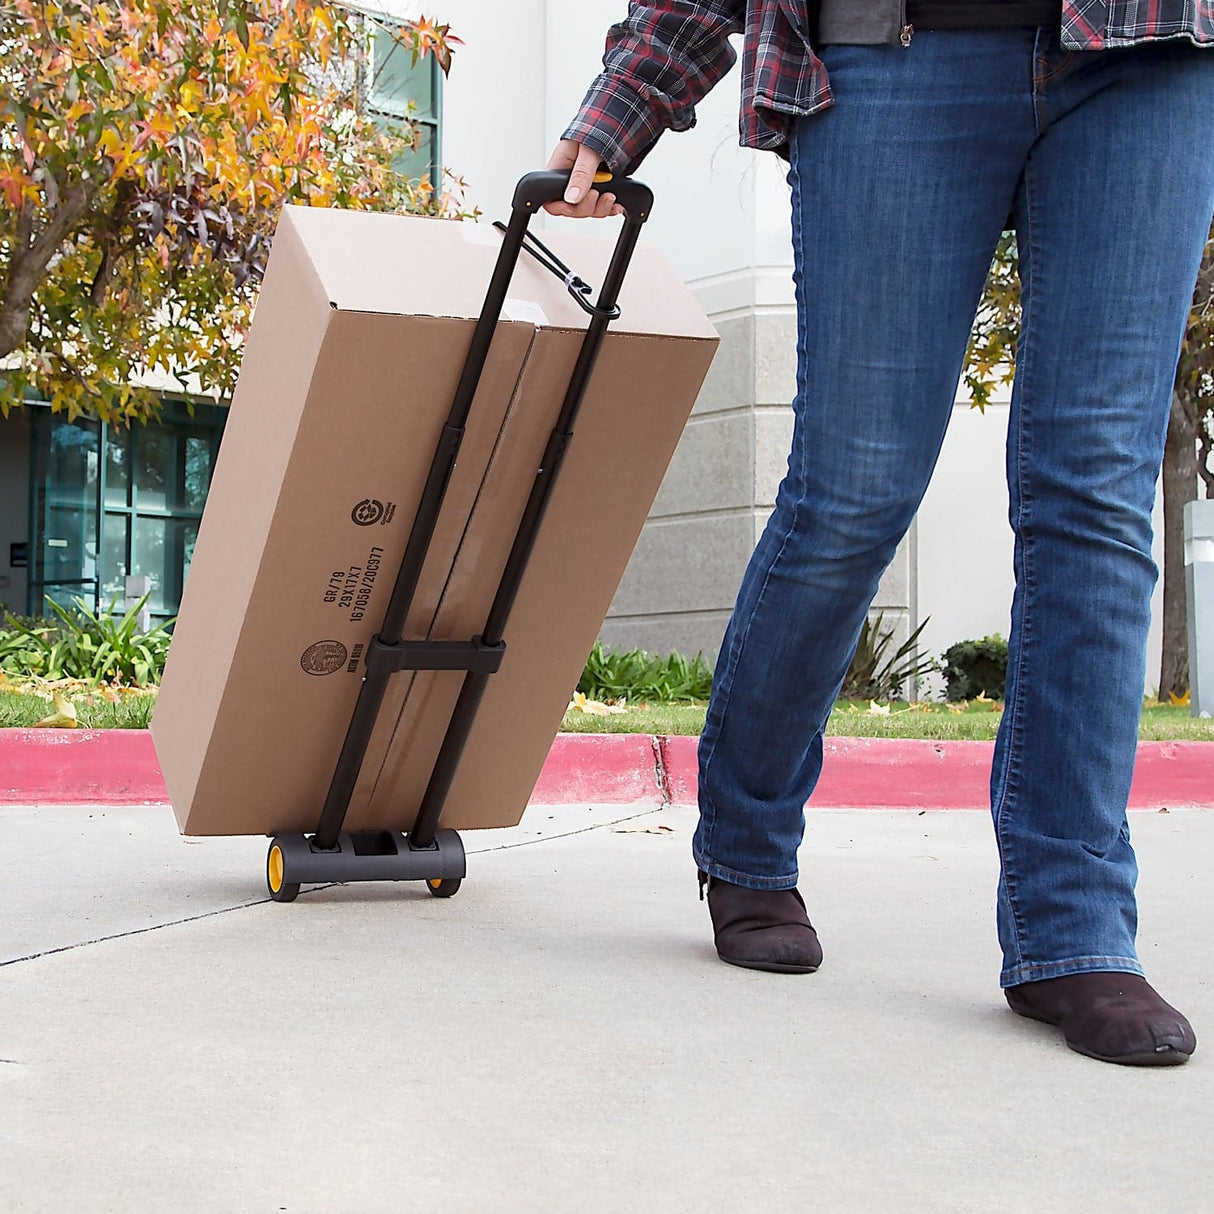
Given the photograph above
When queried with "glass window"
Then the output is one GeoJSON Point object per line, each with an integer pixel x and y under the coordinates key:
{"type": "Point", "coordinates": [115, 543]}
{"type": "Point", "coordinates": [395, 85]}
{"type": "Point", "coordinates": [89, 532]}
{"type": "Point", "coordinates": [397, 88]}
{"type": "Point", "coordinates": [162, 552]}
{"type": "Point", "coordinates": [66, 483]}
{"type": "Point", "coordinates": [152, 477]}
{"type": "Point", "coordinates": [197, 471]}
{"type": "Point", "coordinates": [117, 466]}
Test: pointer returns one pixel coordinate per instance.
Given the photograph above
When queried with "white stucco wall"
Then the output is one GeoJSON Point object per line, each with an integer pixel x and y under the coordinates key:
{"type": "Point", "coordinates": [965, 575]}
{"type": "Point", "coordinates": [721, 216]}
{"type": "Point", "coordinates": [518, 80]}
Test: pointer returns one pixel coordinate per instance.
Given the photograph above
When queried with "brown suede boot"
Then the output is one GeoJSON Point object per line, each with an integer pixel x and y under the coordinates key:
{"type": "Point", "coordinates": [1110, 1016]}
{"type": "Point", "coordinates": [761, 929]}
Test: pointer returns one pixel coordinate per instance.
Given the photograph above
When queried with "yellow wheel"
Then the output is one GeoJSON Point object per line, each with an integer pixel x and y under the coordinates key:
{"type": "Point", "coordinates": [281, 890]}
{"type": "Point", "coordinates": [443, 887]}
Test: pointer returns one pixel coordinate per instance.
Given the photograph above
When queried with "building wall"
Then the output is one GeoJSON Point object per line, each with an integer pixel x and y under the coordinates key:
{"type": "Point", "coordinates": [964, 566]}
{"type": "Point", "coordinates": [721, 217]}
{"type": "Point", "coordinates": [14, 505]}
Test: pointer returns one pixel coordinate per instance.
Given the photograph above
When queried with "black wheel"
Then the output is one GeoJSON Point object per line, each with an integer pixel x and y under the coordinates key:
{"type": "Point", "coordinates": [280, 890]}
{"type": "Point", "coordinates": [444, 887]}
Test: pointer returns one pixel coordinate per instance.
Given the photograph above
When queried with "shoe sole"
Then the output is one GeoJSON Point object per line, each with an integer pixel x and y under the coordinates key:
{"type": "Point", "coordinates": [771, 967]}
{"type": "Point", "coordinates": [1167, 1057]}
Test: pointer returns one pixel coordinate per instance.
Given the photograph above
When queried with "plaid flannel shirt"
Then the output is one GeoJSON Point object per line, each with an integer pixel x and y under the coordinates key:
{"type": "Point", "coordinates": [666, 54]}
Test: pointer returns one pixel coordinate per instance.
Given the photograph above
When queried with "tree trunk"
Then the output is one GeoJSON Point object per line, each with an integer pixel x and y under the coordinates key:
{"type": "Point", "coordinates": [29, 260]}
{"type": "Point", "coordinates": [1179, 487]}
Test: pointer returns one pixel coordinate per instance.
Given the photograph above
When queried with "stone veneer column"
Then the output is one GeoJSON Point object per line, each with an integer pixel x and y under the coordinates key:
{"type": "Point", "coordinates": [680, 585]}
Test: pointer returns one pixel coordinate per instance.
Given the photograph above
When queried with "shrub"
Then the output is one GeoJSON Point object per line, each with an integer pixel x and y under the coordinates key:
{"type": "Point", "coordinates": [872, 674]}
{"type": "Point", "coordinates": [637, 675]}
{"type": "Point", "coordinates": [973, 668]}
{"type": "Point", "coordinates": [83, 645]}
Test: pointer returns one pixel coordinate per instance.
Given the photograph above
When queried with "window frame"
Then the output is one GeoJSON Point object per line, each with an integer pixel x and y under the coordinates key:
{"type": "Point", "coordinates": [176, 418]}
{"type": "Point", "coordinates": [391, 111]}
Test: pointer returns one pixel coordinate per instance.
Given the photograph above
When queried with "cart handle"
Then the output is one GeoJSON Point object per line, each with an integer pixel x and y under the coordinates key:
{"type": "Point", "coordinates": [536, 189]}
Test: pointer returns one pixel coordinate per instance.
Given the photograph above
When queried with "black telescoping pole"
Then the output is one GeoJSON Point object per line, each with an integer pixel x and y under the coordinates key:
{"type": "Point", "coordinates": [375, 681]}
{"type": "Point", "coordinates": [431, 808]}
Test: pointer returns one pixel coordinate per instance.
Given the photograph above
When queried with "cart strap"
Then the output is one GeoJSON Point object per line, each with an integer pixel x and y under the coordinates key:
{"type": "Point", "coordinates": [579, 289]}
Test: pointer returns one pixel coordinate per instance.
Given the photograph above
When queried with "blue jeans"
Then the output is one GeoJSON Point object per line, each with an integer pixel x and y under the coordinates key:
{"type": "Point", "coordinates": [899, 194]}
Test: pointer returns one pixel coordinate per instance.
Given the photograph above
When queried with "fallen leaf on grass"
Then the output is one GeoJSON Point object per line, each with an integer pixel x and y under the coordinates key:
{"type": "Point", "coordinates": [877, 710]}
{"type": "Point", "coordinates": [64, 716]}
{"type": "Point", "coordinates": [1178, 701]}
{"type": "Point", "coordinates": [594, 708]}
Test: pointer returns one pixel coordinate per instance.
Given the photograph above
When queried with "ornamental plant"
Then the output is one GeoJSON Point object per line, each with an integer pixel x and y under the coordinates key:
{"type": "Point", "coordinates": [876, 673]}
{"type": "Point", "coordinates": [638, 676]}
{"type": "Point", "coordinates": [146, 149]}
{"type": "Point", "coordinates": [977, 668]}
{"type": "Point", "coordinates": [87, 646]}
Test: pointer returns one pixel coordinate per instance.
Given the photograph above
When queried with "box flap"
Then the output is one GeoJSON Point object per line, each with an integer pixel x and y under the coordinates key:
{"type": "Point", "coordinates": [403, 265]}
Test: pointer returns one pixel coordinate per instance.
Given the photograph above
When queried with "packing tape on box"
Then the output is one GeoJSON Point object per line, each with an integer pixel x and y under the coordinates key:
{"type": "Point", "coordinates": [525, 310]}
{"type": "Point", "coordinates": [479, 233]}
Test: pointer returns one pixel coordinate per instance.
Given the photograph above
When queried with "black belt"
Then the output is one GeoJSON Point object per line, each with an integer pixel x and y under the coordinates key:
{"type": "Point", "coordinates": [941, 15]}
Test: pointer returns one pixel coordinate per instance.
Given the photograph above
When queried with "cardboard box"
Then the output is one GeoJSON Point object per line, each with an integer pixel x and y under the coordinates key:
{"type": "Point", "coordinates": [357, 345]}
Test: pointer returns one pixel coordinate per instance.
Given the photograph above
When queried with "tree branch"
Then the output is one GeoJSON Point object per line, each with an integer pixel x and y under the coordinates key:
{"type": "Point", "coordinates": [25, 224]}
{"type": "Point", "coordinates": [30, 260]}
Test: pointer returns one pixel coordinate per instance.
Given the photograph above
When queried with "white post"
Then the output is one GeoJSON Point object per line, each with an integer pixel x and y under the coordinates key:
{"type": "Point", "coordinates": [136, 588]}
{"type": "Point", "coordinates": [1199, 588]}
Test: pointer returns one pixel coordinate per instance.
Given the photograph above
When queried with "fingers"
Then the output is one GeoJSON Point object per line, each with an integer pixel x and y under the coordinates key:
{"type": "Point", "coordinates": [593, 206]}
{"type": "Point", "coordinates": [582, 201]}
{"type": "Point", "coordinates": [582, 176]}
{"type": "Point", "coordinates": [607, 206]}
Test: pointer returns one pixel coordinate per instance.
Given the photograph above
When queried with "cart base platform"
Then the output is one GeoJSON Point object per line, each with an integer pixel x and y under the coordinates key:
{"type": "Point", "coordinates": [382, 855]}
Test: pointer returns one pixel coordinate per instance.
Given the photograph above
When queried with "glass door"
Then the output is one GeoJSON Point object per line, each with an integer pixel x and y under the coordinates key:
{"type": "Point", "coordinates": [117, 501]}
{"type": "Point", "coordinates": [65, 479]}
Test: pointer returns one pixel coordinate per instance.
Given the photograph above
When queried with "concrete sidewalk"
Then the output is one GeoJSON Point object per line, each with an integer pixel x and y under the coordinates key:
{"type": "Point", "coordinates": [559, 1036]}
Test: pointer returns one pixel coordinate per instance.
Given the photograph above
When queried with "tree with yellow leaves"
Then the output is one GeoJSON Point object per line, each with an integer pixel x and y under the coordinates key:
{"type": "Point", "coordinates": [146, 149]}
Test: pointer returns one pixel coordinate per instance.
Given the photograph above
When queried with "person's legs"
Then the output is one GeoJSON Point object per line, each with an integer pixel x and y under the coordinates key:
{"type": "Point", "coordinates": [899, 196]}
{"type": "Point", "coordinates": [1112, 215]}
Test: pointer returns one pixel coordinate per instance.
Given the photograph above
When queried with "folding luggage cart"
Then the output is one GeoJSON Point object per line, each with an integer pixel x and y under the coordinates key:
{"type": "Point", "coordinates": [427, 852]}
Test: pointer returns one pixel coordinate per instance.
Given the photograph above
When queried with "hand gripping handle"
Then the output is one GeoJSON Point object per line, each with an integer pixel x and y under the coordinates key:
{"type": "Point", "coordinates": [536, 189]}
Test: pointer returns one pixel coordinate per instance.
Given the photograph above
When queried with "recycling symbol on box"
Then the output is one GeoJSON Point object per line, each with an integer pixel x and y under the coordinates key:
{"type": "Point", "coordinates": [368, 512]}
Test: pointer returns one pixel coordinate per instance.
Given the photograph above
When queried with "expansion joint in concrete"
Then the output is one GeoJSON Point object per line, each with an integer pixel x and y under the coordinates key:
{"type": "Point", "coordinates": [661, 771]}
{"type": "Point", "coordinates": [137, 931]}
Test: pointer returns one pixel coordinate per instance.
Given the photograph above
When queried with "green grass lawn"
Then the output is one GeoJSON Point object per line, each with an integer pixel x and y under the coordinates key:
{"type": "Point", "coordinates": [933, 721]}
{"type": "Point", "coordinates": [92, 712]}
{"type": "Point", "coordinates": [938, 722]}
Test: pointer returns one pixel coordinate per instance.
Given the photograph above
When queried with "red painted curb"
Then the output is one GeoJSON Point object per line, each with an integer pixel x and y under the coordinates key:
{"type": "Point", "coordinates": [1173, 775]}
{"type": "Point", "coordinates": [893, 773]}
{"type": "Point", "coordinates": [886, 773]}
{"type": "Point", "coordinates": [601, 769]}
{"type": "Point", "coordinates": [119, 767]}
{"type": "Point", "coordinates": [79, 767]}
